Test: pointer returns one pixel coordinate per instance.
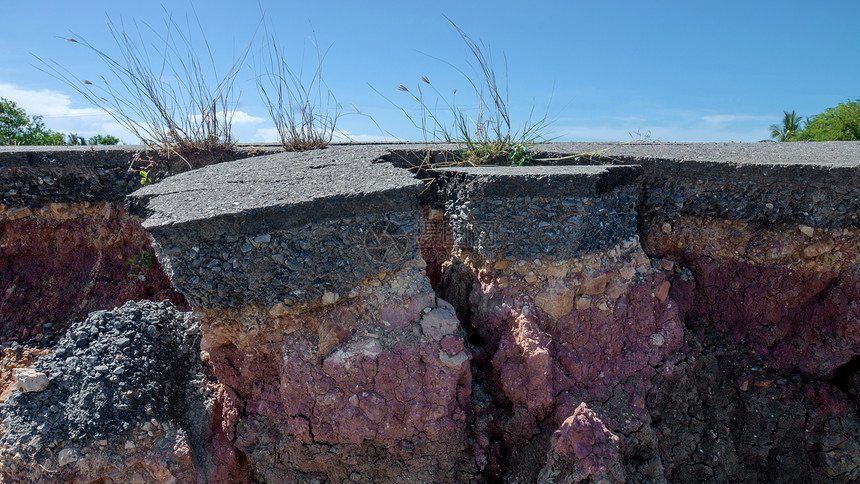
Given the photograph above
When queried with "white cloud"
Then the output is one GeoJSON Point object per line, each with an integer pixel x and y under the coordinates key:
{"type": "Point", "coordinates": [236, 117]}
{"type": "Point", "coordinates": [45, 103]}
{"type": "Point", "coordinates": [347, 136]}
{"type": "Point", "coordinates": [732, 118]}
{"type": "Point", "coordinates": [266, 135]}
{"type": "Point", "coordinates": [270, 135]}
{"type": "Point", "coordinates": [58, 114]}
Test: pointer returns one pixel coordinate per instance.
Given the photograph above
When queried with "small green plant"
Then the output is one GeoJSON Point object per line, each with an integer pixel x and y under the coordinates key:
{"type": "Point", "coordinates": [487, 135]}
{"type": "Point", "coordinates": [304, 110]}
{"type": "Point", "coordinates": [139, 264]}
{"type": "Point", "coordinates": [520, 156]}
{"type": "Point", "coordinates": [145, 172]}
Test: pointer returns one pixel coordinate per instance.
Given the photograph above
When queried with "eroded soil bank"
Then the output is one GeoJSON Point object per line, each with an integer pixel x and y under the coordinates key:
{"type": "Point", "coordinates": [62, 261]}
{"type": "Point", "coordinates": [688, 316]}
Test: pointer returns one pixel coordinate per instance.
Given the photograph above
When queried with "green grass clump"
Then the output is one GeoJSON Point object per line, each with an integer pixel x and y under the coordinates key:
{"type": "Point", "coordinates": [162, 87]}
{"type": "Point", "coordinates": [486, 136]}
{"type": "Point", "coordinates": [304, 110]}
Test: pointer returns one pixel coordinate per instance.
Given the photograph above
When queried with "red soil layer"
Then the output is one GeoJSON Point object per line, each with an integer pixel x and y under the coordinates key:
{"type": "Point", "coordinates": [371, 389]}
{"type": "Point", "coordinates": [783, 294]}
{"type": "Point", "coordinates": [61, 264]}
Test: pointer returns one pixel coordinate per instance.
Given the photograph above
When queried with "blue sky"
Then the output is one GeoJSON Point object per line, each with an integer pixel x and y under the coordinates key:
{"type": "Point", "coordinates": [676, 70]}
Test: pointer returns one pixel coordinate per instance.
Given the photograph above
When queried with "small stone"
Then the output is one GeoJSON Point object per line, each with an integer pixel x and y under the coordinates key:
{"type": "Point", "coordinates": [806, 230]}
{"type": "Point", "coordinates": [19, 213]}
{"type": "Point", "coordinates": [594, 286]}
{"type": "Point", "coordinates": [129, 445]}
{"type": "Point", "coordinates": [439, 323]}
{"type": "Point", "coordinates": [818, 248]}
{"type": "Point", "coordinates": [453, 361]}
{"type": "Point", "coordinates": [530, 278]}
{"type": "Point", "coordinates": [666, 228]}
{"type": "Point", "coordinates": [582, 303]}
{"type": "Point", "coordinates": [657, 339]}
{"type": "Point", "coordinates": [58, 209]}
{"type": "Point", "coordinates": [662, 291]}
{"type": "Point", "coordinates": [769, 206]}
{"type": "Point", "coordinates": [67, 456]}
{"type": "Point", "coordinates": [554, 272]}
{"type": "Point", "coordinates": [29, 380]}
{"type": "Point", "coordinates": [615, 290]}
{"type": "Point", "coordinates": [329, 298]}
{"type": "Point", "coordinates": [667, 264]}
{"type": "Point", "coordinates": [501, 265]}
{"type": "Point", "coordinates": [204, 356]}
{"type": "Point", "coordinates": [627, 272]}
{"type": "Point", "coordinates": [278, 310]}
{"type": "Point", "coordinates": [556, 302]}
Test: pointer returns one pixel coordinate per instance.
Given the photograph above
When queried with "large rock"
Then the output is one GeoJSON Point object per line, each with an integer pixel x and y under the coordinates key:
{"type": "Point", "coordinates": [124, 398]}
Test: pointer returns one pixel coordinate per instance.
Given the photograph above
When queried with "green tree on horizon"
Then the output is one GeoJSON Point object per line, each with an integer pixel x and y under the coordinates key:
{"type": "Point", "coordinates": [840, 123]}
{"type": "Point", "coordinates": [789, 128]}
{"type": "Point", "coordinates": [16, 128]}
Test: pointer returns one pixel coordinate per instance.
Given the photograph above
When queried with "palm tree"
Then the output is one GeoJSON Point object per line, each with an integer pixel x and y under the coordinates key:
{"type": "Point", "coordinates": [788, 130]}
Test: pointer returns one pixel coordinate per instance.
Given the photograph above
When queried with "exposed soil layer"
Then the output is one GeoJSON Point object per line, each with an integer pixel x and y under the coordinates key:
{"type": "Point", "coordinates": [768, 390]}
{"type": "Point", "coordinates": [63, 261]}
{"type": "Point", "coordinates": [675, 322]}
{"type": "Point", "coordinates": [787, 293]}
{"type": "Point", "coordinates": [125, 398]}
{"type": "Point", "coordinates": [371, 388]}
{"type": "Point", "coordinates": [569, 351]}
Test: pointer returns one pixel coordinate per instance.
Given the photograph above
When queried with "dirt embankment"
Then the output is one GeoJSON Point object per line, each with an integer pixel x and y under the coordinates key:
{"type": "Point", "coordinates": [550, 324]}
{"type": "Point", "coordinates": [62, 261]}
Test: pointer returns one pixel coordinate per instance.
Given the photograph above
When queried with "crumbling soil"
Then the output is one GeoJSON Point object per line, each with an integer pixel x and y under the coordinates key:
{"type": "Point", "coordinates": [121, 382]}
{"type": "Point", "coordinates": [66, 261]}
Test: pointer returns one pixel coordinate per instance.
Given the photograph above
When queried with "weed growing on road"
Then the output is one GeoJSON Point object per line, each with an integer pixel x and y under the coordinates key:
{"type": "Point", "coordinates": [304, 111]}
{"type": "Point", "coordinates": [162, 87]}
{"type": "Point", "coordinates": [488, 135]}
